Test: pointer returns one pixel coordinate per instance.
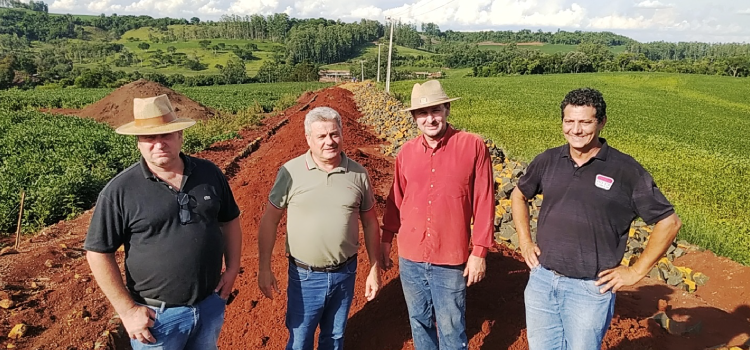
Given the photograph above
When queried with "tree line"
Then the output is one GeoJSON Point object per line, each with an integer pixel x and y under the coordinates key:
{"type": "Point", "coordinates": [589, 58]}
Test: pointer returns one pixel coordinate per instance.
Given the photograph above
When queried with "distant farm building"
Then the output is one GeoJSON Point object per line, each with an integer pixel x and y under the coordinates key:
{"type": "Point", "coordinates": [335, 76]}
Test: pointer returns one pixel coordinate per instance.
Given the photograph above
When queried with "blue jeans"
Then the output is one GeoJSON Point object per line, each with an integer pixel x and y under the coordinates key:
{"type": "Point", "coordinates": [565, 313]}
{"type": "Point", "coordinates": [436, 299]}
{"type": "Point", "coordinates": [319, 298]}
{"type": "Point", "coordinates": [195, 327]}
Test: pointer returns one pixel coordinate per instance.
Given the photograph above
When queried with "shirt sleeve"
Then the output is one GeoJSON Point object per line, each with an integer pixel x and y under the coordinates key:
{"type": "Point", "coordinates": [483, 201]}
{"type": "Point", "coordinates": [649, 203]}
{"type": "Point", "coordinates": [107, 229]}
{"type": "Point", "coordinates": [368, 200]}
{"type": "Point", "coordinates": [530, 184]}
{"type": "Point", "coordinates": [392, 215]}
{"type": "Point", "coordinates": [279, 196]}
{"type": "Point", "coordinates": [229, 209]}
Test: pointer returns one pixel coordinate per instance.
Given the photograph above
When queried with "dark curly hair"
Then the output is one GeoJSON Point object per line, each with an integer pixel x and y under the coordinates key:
{"type": "Point", "coordinates": [585, 97]}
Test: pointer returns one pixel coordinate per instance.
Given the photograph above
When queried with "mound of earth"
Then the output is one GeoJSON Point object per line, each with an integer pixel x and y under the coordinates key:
{"type": "Point", "coordinates": [117, 108]}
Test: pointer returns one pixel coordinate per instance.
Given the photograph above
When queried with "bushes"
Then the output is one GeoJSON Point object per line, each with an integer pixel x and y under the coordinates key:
{"type": "Point", "coordinates": [61, 162]}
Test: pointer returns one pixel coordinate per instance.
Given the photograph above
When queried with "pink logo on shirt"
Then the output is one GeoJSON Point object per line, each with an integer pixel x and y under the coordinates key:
{"type": "Point", "coordinates": [604, 182]}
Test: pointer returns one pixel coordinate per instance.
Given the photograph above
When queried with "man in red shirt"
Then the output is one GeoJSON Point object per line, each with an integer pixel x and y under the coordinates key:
{"type": "Point", "coordinates": [442, 180]}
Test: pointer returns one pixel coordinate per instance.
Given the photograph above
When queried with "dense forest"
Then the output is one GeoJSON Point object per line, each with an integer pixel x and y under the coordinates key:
{"type": "Point", "coordinates": [38, 48]}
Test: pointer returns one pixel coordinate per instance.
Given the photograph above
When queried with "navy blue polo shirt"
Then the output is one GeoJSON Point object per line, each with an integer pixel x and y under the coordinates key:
{"type": "Point", "coordinates": [587, 211]}
{"type": "Point", "coordinates": [165, 259]}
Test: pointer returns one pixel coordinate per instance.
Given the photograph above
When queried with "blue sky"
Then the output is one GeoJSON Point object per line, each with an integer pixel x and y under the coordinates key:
{"type": "Point", "coordinates": [643, 20]}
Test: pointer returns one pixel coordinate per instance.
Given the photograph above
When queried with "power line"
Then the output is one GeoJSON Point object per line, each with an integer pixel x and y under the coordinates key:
{"type": "Point", "coordinates": [410, 9]}
{"type": "Point", "coordinates": [443, 5]}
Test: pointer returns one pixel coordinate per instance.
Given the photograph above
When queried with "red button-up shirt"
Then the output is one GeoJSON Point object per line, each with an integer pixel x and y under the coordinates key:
{"type": "Point", "coordinates": [435, 194]}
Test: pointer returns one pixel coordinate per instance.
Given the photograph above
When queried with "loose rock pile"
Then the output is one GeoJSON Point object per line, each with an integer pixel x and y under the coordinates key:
{"type": "Point", "coordinates": [383, 112]}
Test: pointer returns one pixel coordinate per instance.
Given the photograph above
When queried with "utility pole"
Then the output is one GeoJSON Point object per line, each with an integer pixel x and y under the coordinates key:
{"type": "Point", "coordinates": [390, 51]}
{"type": "Point", "coordinates": [379, 45]}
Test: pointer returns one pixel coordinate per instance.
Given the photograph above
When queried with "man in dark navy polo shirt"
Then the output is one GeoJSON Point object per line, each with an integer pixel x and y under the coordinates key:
{"type": "Point", "coordinates": [179, 223]}
{"type": "Point", "coordinates": [592, 194]}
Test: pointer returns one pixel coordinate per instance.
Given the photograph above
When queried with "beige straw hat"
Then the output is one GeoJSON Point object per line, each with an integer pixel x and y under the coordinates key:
{"type": "Point", "coordinates": [154, 116]}
{"type": "Point", "coordinates": [428, 94]}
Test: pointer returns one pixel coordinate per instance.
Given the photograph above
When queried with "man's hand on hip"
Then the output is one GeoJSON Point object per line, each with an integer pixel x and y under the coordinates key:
{"type": "Point", "coordinates": [372, 285]}
{"type": "Point", "coordinates": [267, 283]}
{"type": "Point", "coordinates": [137, 321]}
{"type": "Point", "coordinates": [617, 278]}
{"type": "Point", "coordinates": [226, 283]}
{"type": "Point", "coordinates": [475, 269]}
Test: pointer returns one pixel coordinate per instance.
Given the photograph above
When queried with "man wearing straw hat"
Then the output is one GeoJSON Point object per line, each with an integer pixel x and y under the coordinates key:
{"type": "Point", "coordinates": [441, 184]}
{"type": "Point", "coordinates": [177, 218]}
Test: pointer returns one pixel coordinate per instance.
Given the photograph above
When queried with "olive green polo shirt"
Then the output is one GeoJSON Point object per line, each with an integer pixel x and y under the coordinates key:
{"type": "Point", "coordinates": [323, 208]}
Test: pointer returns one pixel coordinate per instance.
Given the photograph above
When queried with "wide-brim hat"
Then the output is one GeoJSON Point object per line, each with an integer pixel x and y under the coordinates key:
{"type": "Point", "coordinates": [154, 116]}
{"type": "Point", "coordinates": [428, 94]}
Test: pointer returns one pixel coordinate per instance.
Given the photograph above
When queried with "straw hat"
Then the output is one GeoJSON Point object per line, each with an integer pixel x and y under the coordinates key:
{"type": "Point", "coordinates": [154, 116]}
{"type": "Point", "coordinates": [428, 94]}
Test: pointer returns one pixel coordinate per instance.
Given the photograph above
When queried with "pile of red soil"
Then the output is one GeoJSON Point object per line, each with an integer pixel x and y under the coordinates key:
{"type": "Point", "coordinates": [117, 108]}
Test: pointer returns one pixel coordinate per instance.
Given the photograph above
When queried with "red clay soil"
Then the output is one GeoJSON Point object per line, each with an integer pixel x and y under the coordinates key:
{"type": "Point", "coordinates": [117, 108]}
{"type": "Point", "coordinates": [54, 310]}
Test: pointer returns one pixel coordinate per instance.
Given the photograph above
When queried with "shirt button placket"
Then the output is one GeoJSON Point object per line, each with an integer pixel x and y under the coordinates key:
{"type": "Point", "coordinates": [429, 196]}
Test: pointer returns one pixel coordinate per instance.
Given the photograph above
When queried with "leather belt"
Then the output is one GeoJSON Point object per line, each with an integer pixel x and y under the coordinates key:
{"type": "Point", "coordinates": [158, 303]}
{"type": "Point", "coordinates": [331, 268]}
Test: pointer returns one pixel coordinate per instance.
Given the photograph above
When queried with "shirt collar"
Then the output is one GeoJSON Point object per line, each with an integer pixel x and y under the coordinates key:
{"type": "Point", "coordinates": [343, 166]}
{"type": "Point", "coordinates": [449, 131]}
{"type": "Point", "coordinates": [188, 169]}
{"type": "Point", "coordinates": [601, 155]}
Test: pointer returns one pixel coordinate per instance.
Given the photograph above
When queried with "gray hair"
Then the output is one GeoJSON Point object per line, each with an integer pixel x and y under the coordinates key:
{"type": "Point", "coordinates": [321, 114]}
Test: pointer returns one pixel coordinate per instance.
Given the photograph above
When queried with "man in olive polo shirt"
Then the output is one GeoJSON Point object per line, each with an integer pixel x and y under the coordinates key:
{"type": "Point", "coordinates": [592, 193]}
{"type": "Point", "coordinates": [324, 193]}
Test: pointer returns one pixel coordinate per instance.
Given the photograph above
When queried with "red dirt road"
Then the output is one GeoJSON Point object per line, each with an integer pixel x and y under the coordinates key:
{"type": "Point", "coordinates": [57, 306]}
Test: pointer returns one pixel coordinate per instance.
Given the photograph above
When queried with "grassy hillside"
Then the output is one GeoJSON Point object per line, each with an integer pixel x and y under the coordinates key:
{"type": "Point", "coordinates": [689, 131]}
{"type": "Point", "coordinates": [192, 48]}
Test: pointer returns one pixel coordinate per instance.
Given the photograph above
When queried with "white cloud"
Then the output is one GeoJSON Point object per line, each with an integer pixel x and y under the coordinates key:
{"type": "Point", "coordinates": [619, 22]}
{"type": "Point", "coordinates": [654, 5]}
{"type": "Point", "coordinates": [62, 5]}
{"type": "Point", "coordinates": [157, 6]}
{"type": "Point", "coordinates": [253, 6]}
{"type": "Point", "coordinates": [98, 6]}
{"type": "Point", "coordinates": [366, 12]}
{"type": "Point", "coordinates": [744, 12]}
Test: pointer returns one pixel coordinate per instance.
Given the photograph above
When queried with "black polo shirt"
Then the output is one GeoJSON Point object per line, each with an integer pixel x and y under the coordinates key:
{"type": "Point", "coordinates": [164, 259]}
{"type": "Point", "coordinates": [587, 211]}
